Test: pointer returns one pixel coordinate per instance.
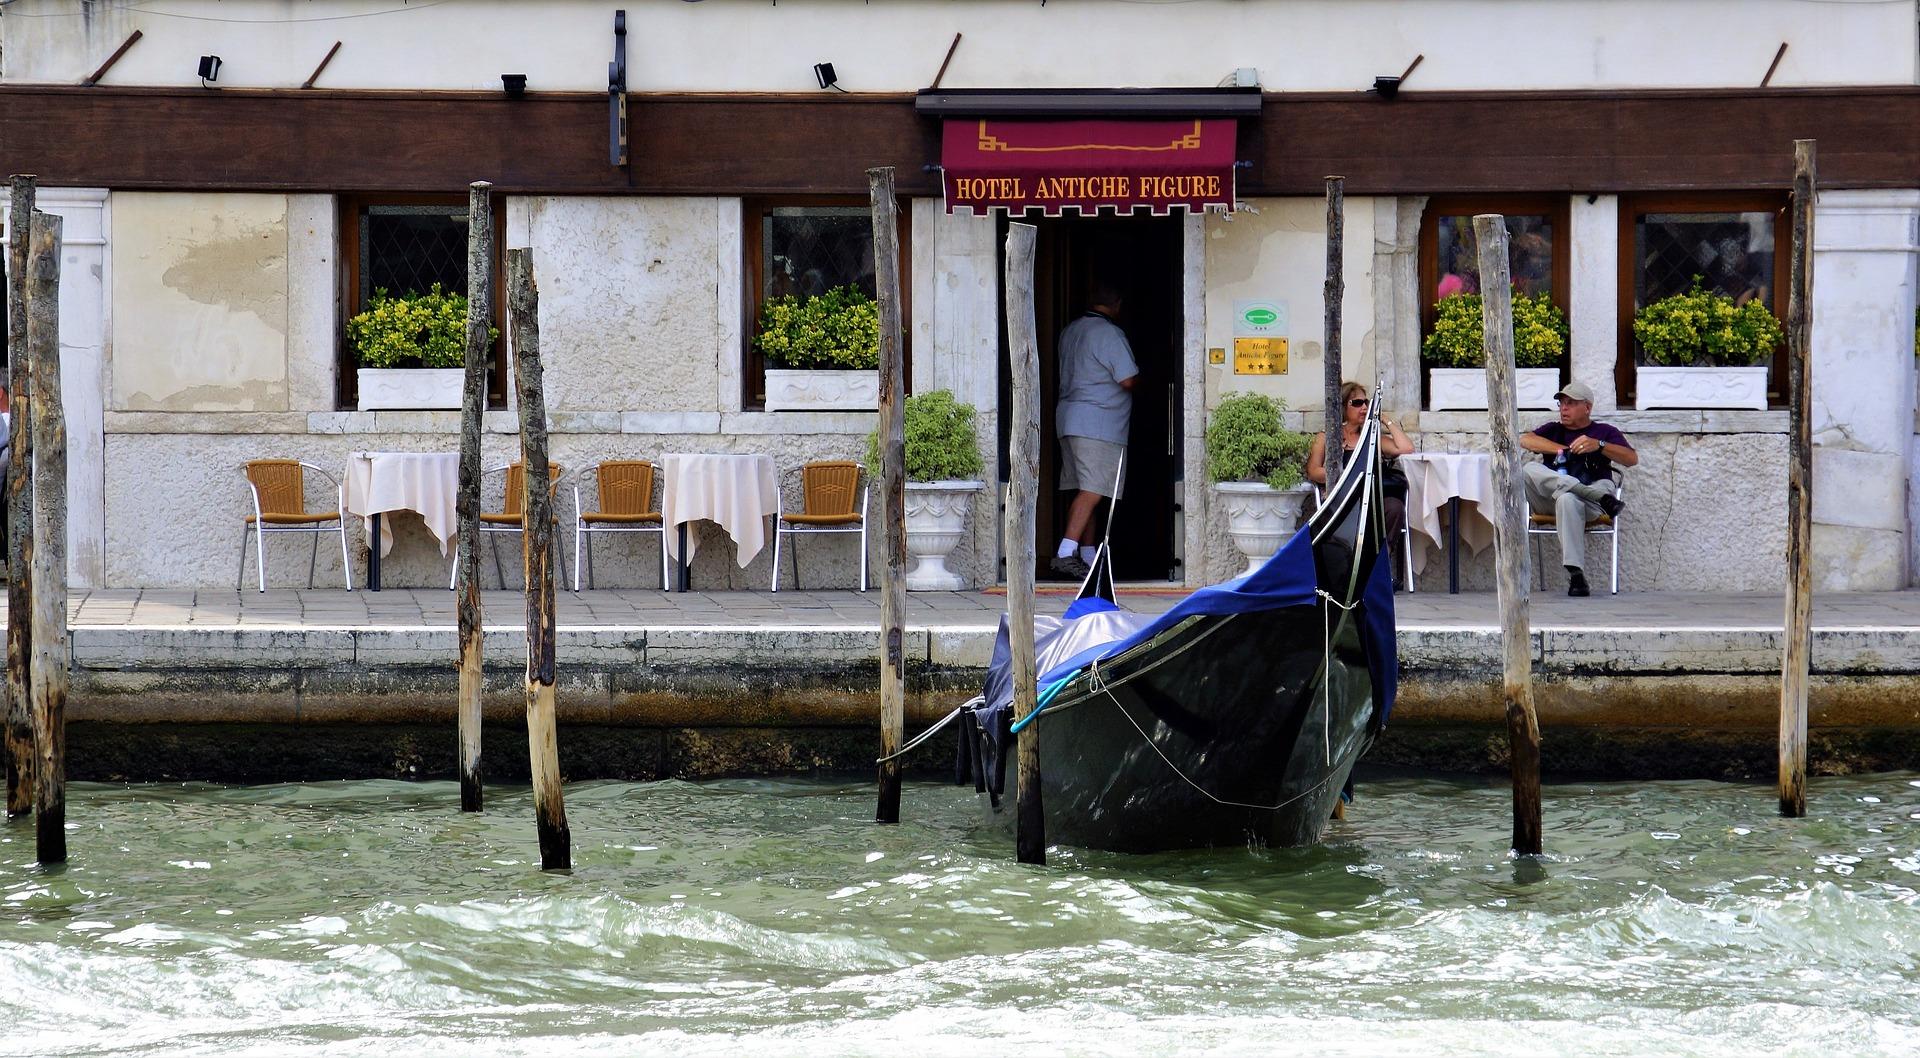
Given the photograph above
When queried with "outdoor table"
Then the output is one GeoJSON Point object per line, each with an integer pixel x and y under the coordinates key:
{"type": "Point", "coordinates": [738, 492]}
{"type": "Point", "coordinates": [423, 482]}
{"type": "Point", "coordinates": [1463, 483]}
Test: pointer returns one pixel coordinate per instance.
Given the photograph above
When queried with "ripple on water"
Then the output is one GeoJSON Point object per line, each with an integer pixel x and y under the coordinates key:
{"type": "Point", "coordinates": [362, 918]}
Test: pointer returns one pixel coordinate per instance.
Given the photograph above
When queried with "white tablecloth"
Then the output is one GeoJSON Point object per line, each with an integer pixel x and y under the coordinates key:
{"type": "Point", "coordinates": [1433, 478]}
{"type": "Point", "coordinates": [738, 492]}
{"type": "Point", "coordinates": [426, 482]}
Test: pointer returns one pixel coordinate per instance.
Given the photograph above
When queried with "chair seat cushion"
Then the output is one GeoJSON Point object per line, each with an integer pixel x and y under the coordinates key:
{"type": "Point", "coordinates": [820, 519]}
{"type": "Point", "coordinates": [1597, 523]}
{"type": "Point", "coordinates": [312, 518]}
{"type": "Point", "coordinates": [601, 517]}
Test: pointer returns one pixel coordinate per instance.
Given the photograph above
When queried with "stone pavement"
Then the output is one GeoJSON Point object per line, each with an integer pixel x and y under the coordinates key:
{"type": "Point", "coordinates": [412, 608]}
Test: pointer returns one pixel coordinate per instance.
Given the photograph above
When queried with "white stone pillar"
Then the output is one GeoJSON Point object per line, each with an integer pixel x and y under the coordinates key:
{"type": "Point", "coordinates": [1593, 303]}
{"type": "Point", "coordinates": [86, 331]}
{"type": "Point", "coordinates": [1863, 386]}
{"type": "Point", "coordinates": [956, 345]}
{"type": "Point", "coordinates": [1396, 301]}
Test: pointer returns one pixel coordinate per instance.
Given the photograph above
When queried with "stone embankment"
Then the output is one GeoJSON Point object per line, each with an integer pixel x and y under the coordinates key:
{"type": "Point", "coordinates": [312, 685]}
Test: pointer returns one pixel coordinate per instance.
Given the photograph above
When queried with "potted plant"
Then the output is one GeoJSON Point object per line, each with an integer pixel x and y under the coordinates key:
{"type": "Point", "coordinates": [1458, 354]}
{"type": "Point", "coordinates": [1258, 469]}
{"type": "Point", "coordinates": [823, 352]}
{"type": "Point", "coordinates": [943, 464]}
{"type": "Point", "coordinates": [412, 349]}
{"type": "Point", "coordinates": [1701, 350]}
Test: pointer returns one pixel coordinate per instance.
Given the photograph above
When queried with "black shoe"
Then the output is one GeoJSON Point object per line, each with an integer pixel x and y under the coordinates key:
{"type": "Point", "coordinates": [1611, 504]}
{"type": "Point", "coordinates": [1071, 567]}
{"type": "Point", "coordinates": [1577, 583]}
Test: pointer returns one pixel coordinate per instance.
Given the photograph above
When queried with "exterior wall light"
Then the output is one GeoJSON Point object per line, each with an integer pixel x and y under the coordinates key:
{"type": "Point", "coordinates": [823, 72]}
{"type": "Point", "coordinates": [209, 69]}
{"type": "Point", "coordinates": [515, 84]}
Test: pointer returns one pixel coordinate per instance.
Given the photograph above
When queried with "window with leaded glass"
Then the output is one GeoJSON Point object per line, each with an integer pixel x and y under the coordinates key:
{"type": "Point", "coordinates": [807, 248]}
{"type": "Point", "coordinates": [1537, 248]}
{"type": "Point", "coordinates": [406, 244]}
{"type": "Point", "coordinates": [1728, 244]}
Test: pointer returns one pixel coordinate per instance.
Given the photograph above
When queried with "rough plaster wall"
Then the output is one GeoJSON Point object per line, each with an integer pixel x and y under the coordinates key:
{"type": "Point", "coordinates": [201, 283]}
{"type": "Point", "coordinates": [1279, 250]}
{"type": "Point", "coordinates": [629, 307]}
{"type": "Point", "coordinates": [188, 534]}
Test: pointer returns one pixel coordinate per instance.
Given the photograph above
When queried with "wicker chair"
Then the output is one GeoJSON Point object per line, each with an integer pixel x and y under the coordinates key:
{"type": "Point", "coordinates": [510, 519]}
{"type": "Point", "coordinates": [625, 489]}
{"type": "Point", "coordinates": [833, 497]}
{"type": "Point", "coordinates": [278, 488]}
{"type": "Point", "coordinates": [1539, 525]}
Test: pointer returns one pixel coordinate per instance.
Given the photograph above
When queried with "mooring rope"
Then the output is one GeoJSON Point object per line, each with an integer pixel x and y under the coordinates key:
{"type": "Point", "coordinates": [932, 731]}
{"type": "Point", "coordinates": [1100, 684]}
{"type": "Point", "coordinates": [1326, 670]}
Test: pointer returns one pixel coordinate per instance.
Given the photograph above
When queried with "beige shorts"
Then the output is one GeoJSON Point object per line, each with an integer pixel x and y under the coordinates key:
{"type": "Point", "coordinates": [1091, 465]}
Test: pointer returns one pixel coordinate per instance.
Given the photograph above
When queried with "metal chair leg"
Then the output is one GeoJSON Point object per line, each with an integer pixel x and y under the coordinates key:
{"type": "Point", "coordinates": [240, 579]}
{"type": "Point", "coordinates": [260, 555]}
{"type": "Point", "coordinates": [576, 557]}
{"type": "Point", "coordinates": [793, 555]}
{"type": "Point", "coordinates": [346, 561]}
{"type": "Point", "coordinates": [493, 540]}
{"type": "Point", "coordinates": [863, 556]}
{"type": "Point", "coordinates": [776, 553]}
{"type": "Point", "coordinates": [663, 558]}
{"type": "Point", "coordinates": [313, 559]}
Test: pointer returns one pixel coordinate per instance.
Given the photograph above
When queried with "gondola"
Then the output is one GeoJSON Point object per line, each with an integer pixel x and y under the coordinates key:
{"type": "Point", "coordinates": [1234, 718]}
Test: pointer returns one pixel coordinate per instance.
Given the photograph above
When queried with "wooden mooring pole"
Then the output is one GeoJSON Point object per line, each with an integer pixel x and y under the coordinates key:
{"type": "Point", "coordinates": [467, 503]}
{"type": "Point", "coordinates": [1799, 620]}
{"type": "Point", "coordinates": [1335, 293]}
{"type": "Point", "coordinates": [19, 720]}
{"type": "Point", "coordinates": [1510, 539]}
{"type": "Point", "coordinates": [893, 492]}
{"type": "Point", "coordinates": [537, 545]}
{"type": "Point", "coordinates": [48, 669]}
{"type": "Point", "coordinates": [1023, 484]}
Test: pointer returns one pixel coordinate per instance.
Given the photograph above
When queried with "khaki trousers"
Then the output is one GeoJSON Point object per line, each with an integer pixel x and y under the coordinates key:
{"type": "Point", "coordinates": [1572, 505]}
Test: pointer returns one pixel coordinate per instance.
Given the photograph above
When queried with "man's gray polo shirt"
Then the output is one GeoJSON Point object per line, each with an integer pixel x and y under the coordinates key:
{"type": "Point", "coordinates": [1094, 359]}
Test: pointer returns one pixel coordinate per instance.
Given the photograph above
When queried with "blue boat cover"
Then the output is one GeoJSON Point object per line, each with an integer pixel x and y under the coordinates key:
{"type": "Point", "coordinates": [1095, 629]}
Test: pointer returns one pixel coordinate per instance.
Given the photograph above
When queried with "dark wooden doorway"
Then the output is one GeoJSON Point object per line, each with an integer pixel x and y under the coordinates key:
{"type": "Point", "coordinates": [1142, 255]}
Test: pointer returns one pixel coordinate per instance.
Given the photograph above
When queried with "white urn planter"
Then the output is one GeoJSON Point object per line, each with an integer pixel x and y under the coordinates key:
{"type": "Point", "coordinates": [936, 523]}
{"type": "Point", "coordinates": [1702, 387]}
{"type": "Point", "coordinates": [1260, 518]}
{"type": "Point", "coordinates": [822, 389]}
{"type": "Point", "coordinates": [1465, 388]}
{"type": "Point", "coordinates": [410, 388]}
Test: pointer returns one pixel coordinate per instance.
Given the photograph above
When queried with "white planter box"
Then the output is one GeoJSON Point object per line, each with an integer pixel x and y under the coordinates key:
{"type": "Point", "coordinates": [1702, 387]}
{"type": "Point", "coordinates": [1465, 388]}
{"type": "Point", "coordinates": [1260, 518]}
{"type": "Point", "coordinates": [411, 388]}
{"type": "Point", "coordinates": [822, 390]}
{"type": "Point", "coordinates": [936, 523]}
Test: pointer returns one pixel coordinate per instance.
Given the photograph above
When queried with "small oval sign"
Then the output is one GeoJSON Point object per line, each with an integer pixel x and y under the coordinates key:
{"type": "Point", "coordinates": [1261, 317]}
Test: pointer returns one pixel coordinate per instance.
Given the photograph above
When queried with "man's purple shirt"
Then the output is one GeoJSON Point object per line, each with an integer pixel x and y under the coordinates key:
{"type": "Point", "coordinates": [1596, 465]}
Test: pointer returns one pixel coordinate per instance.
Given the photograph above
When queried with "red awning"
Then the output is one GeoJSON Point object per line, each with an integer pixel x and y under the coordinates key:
{"type": "Point", "coordinates": [1087, 165]}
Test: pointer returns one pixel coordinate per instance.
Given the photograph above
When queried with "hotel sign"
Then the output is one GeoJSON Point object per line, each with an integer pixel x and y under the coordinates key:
{"type": "Point", "coordinates": [1055, 166]}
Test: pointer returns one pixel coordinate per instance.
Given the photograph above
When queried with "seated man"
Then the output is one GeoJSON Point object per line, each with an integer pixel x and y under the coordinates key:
{"type": "Point", "coordinates": [1575, 483]}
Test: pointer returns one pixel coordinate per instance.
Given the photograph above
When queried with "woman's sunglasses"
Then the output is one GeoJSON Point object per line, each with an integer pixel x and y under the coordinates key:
{"type": "Point", "coordinates": [1358, 402]}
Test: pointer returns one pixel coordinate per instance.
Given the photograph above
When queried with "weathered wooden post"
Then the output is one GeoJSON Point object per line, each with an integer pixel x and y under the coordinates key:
{"type": "Point", "coordinates": [19, 721]}
{"type": "Point", "coordinates": [1510, 540]}
{"type": "Point", "coordinates": [550, 811]}
{"type": "Point", "coordinates": [1799, 631]}
{"type": "Point", "coordinates": [467, 503]}
{"type": "Point", "coordinates": [48, 669]}
{"type": "Point", "coordinates": [1023, 484]}
{"type": "Point", "coordinates": [1336, 290]}
{"type": "Point", "coordinates": [893, 493]}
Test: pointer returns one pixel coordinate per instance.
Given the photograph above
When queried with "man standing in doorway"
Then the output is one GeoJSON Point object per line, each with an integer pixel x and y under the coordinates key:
{"type": "Point", "coordinates": [1097, 372]}
{"type": "Point", "coordinates": [1575, 484]}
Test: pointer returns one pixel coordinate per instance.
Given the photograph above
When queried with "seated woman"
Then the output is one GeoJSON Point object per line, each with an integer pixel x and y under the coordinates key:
{"type": "Point", "coordinates": [1393, 442]}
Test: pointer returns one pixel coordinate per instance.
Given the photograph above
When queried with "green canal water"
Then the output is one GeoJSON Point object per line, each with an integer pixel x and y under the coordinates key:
{"type": "Point", "coordinates": [372, 918]}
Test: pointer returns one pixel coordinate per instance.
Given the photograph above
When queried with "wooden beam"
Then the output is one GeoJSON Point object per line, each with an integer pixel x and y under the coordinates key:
{"type": "Point", "coordinates": [330, 141]}
{"type": "Point", "coordinates": [20, 757]}
{"type": "Point", "coordinates": [94, 77]}
{"type": "Point", "coordinates": [1332, 294]}
{"type": "Point", "coordinates": [467, 503]}
{"type": "Point", "coordinates": [537, 550]}
{"type": "Point", "coordinates": [1774, 65]}
{"type": "Point", "coordinates": [309, 82]}
{"type": "Point", "coordinates": [1798, 657]}
{"type": "Point", "coordinates": [893, 491]}
{"type": "Point", "coordinates": [1510, 535]}
{"type": "Point", "coordinates": [51, 651]}
{"type": "Point", "coordinates": [1023, 484]}
{"type": "Point", "coordinates": [951, 48]}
